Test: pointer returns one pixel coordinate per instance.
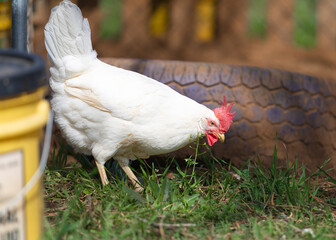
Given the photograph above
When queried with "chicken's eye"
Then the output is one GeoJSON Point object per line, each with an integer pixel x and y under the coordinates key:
{"type": "Point", "coordinates": [212, 123]}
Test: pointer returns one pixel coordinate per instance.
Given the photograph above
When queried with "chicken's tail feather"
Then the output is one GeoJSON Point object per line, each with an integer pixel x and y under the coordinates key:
{"type": "Point", "coordinates": [68, 41]}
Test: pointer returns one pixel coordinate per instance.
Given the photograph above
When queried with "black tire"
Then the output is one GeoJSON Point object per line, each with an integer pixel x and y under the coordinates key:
{"type": "Point", "coordinates": [301, 109]}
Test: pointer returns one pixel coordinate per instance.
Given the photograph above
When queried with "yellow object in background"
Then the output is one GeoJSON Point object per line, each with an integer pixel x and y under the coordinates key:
{"type": "Point", "coordinates": [159, 19]}
{"type": "Point", "coordinates": [23, 114]}
{"type": "Point", "coordinates": [5, 23]}
{"type": "Point", "coordinates": [205, 20]}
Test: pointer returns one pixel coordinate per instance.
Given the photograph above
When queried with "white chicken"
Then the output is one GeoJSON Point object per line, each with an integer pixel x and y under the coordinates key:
{"type": "Point", "coordinates": [109, 112]}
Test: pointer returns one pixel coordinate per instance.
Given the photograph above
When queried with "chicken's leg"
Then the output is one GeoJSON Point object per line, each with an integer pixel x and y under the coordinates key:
{"type": "Point", "coordinates": [102, 173]}
{"type": "Point", "coordinates": [123, 162]}
{"type": "Point", "coordinates": [132, 177]}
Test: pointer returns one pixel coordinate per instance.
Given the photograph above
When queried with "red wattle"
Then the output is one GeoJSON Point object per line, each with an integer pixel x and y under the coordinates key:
{"type": "Point", "coordinates": [212, 139]}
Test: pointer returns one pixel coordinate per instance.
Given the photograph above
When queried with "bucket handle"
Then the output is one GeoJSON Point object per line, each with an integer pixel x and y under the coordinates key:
{"type": "Point", "coordinates": [39, 172]}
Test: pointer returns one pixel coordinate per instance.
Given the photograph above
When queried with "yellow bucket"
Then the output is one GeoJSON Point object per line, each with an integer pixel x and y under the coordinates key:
{"type": "Point", "coordinates": [23, 114]}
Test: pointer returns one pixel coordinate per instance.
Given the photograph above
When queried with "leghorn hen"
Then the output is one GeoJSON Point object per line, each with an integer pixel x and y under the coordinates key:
{"type": "Point", "coordinates": [110, 112]}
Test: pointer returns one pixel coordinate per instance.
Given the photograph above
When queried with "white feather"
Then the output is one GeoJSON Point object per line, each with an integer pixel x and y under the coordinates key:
{"type": "Point", "coordinates": [68, 41]}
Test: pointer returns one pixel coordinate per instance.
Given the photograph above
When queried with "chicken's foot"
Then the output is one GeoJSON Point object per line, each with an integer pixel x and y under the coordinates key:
{"type": "Point", "coordinates": [102, 173]}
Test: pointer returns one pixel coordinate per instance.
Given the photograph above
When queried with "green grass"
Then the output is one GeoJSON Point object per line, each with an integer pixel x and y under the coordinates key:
{"type": "Point", "coordinates": [203, 199]}
{"type": "Point", "coordinates": [304, 17]}
{"type": "Point", "coordinates": [305, 23]}
{"type": "Point", "coordinates": [111, 26]}
{"type": "Point", "coordinates": [257, 18]}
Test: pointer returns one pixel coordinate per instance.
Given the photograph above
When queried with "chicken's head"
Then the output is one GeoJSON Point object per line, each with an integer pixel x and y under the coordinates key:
{"type": "Point", "coordinates": [216, 128]}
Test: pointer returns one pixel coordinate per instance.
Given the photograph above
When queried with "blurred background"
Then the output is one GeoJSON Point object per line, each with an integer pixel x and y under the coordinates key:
{"type": "Point", "coordinates": [295, 35]}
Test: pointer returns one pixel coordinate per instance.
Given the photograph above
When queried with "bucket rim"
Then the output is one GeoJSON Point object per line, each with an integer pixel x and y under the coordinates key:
{"type": "Point", "coordinates": [24, 80]}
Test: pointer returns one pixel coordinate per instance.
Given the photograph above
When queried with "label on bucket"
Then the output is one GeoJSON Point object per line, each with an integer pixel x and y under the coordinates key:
{"type": "Point", "coordinates": [12, 222]}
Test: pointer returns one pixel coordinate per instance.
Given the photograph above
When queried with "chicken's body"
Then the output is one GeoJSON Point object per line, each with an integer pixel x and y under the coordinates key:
{"type": "Point", "coordinates": [108, 111]}
{"type": "Point", "coordinates": [129, 121]}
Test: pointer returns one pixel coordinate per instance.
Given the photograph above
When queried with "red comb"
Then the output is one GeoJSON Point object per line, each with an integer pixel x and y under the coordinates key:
{"type": "Point", "coordinates": [223, 102]}
{"type": "Point", "coordinates": [224, 105]}
{"type": "Point", "coordinates": [224, 115]}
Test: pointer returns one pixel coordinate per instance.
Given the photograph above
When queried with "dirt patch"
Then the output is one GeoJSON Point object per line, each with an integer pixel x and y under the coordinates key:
{"type": "Point", "coordinates": [229, 49]}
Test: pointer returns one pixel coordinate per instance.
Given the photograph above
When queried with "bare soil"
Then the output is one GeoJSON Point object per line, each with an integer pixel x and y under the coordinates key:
{"type": "Point", "coordinates": [250, 52]}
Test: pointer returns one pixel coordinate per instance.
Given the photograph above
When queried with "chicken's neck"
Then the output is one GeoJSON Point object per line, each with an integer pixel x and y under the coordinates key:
{"type": "Point", "coordinates": [200, 130]}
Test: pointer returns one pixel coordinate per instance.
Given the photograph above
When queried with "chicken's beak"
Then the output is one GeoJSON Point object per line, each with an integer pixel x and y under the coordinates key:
{"type": "Point", "coordinates": [220, 136]}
